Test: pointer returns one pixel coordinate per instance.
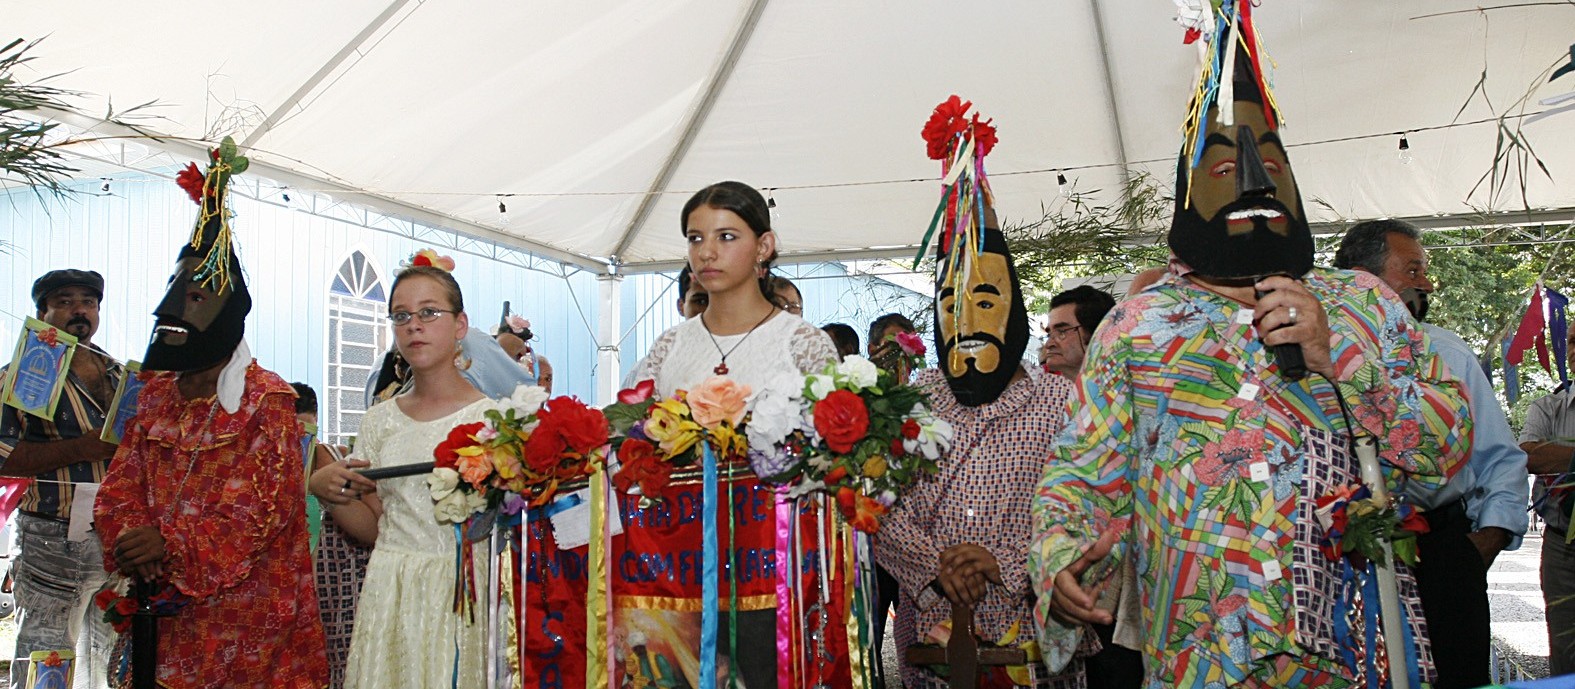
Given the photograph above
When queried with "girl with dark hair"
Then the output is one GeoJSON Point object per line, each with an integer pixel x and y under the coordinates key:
{"type": "Point", "coordinates": [743, 336]}
{"type": "Point", "coordinates": [405, 634]}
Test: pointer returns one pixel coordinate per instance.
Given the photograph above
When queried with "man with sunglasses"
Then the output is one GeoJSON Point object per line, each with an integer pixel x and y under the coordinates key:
{"type": "Point", "coordinates": [1074, 314]}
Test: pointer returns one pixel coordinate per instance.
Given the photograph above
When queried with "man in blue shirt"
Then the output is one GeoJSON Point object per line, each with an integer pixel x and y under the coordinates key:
{"type": "Point", "coordinates": [1482, 510]}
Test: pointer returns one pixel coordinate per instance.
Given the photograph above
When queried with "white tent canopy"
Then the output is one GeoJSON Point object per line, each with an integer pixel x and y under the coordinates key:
{"type": "Point", "coordinates": [594, 120]}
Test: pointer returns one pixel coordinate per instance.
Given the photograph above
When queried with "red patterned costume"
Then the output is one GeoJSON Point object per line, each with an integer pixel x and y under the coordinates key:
{"type": "Point", "coordinates": [225, 492]}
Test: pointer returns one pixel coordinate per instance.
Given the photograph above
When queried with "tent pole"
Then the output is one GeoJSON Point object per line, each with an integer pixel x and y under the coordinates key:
{"type": "Point", "coordinates": [609, 372]}
{"type": "Point", "coordinates": [1110, 94]}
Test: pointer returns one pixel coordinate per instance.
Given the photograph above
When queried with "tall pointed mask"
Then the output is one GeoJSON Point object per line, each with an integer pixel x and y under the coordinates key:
{"type": "Point", "coordinates": [202, 317]}
{"type": "Point", "coordinates": [1239, 212]}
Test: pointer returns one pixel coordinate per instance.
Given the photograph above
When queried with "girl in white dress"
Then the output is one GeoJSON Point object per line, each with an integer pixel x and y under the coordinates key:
{"type": "Point", "coordinates": [406, 634]}
{"type": "Point", "coordinates": [743, 336]}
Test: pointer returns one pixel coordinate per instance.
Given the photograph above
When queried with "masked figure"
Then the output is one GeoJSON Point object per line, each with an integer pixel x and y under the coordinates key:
{"type": "Point", "coordinates": [981, 324]}
{"type": "Point", "coordinates": [204, 498]}
{"type": "Point", "coordinates": [1238, 210]}
{"type": "Point", "coordinates": [203, 314]}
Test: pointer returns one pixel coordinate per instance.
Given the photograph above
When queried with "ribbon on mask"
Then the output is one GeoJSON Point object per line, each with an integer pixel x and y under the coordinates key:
{"type": "Point", "coordinates": [708, 585]}
{"type": "Point", "coordinates": [785, 597]}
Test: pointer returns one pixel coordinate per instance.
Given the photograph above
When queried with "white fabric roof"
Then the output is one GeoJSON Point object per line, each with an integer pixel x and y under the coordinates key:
{"type": "Point", "coordinates": [429, 109]}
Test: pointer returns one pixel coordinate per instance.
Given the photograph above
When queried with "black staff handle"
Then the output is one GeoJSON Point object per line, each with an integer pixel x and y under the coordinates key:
{"type": "Point", "coordinates": [144, 638]}
{"type": "Point", "coordinates": [401, 470]}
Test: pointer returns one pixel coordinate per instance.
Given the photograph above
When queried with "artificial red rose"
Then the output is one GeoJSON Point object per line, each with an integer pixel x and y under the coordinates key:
{"type": "Point", "coordinates": [896, 447]}
{"type": "Point", "coordinates": [544, 451]}
{"type": "Point", "coordinates": [192, 180]}
{"type": "Point", "coordinates": [583, 429]}
{"type": "Point", "coordinates": [842, 419]}
{"type": "Point", "coordinates": [125, 606]}
{"type": "Point", "coordinates": [643, 467]}
{"type": "Point", "coordinates": [948, 120]}
{"type": "Point", "coordinates": [910, 429]}
{"type": "Point", "coordinates": [460, 436]}
{"type": "Point", "coordinates": [641, 392]}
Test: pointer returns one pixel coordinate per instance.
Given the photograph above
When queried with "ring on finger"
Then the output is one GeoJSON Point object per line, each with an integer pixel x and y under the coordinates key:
{"type": "Point", "coordinates": [1291, 314]}
{"type": "Point", "coordinates": [342, 489]}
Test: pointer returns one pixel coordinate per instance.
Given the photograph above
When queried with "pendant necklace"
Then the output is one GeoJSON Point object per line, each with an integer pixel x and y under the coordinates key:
{"type": "Point", "coordinates": [721, 369]}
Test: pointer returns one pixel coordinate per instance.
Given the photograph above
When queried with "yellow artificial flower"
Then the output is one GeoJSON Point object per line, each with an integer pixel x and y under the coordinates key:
{"type": "Point", "coordinates": [671, 428]}
{"type": "Point", "coordinates": [875, 467]}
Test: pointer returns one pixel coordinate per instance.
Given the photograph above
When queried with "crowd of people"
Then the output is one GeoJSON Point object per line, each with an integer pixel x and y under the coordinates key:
{"type": "Point", "coordinates": [1136, 510]}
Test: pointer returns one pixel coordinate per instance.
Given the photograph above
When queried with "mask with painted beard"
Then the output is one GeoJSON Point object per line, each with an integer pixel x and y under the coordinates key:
{"type": "Point", "coordinates": [1239, 212]}
{"type": "Point", "coordinates": [202, 317]}
{"type": "Point", "coordinates": [981, 322]}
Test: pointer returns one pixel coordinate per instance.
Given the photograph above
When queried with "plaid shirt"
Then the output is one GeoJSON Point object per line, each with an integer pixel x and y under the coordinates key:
{"type": "Point", "coordinates": [981, 495]}
{"type": "Point", "coordinates": [50, 495]}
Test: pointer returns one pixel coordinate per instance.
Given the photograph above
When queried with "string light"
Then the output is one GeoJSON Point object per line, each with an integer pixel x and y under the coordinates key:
{"type": "Point", "coordinates": [503, 212]}
{"type": "Point", "coordinates": [771, 199]}
{"type": "Point", "coordinates": [1405, 149]}
{"type": "Point", "coordinates": [1060, 181]}
{"type": "Point", "coordinates": [105, 187]}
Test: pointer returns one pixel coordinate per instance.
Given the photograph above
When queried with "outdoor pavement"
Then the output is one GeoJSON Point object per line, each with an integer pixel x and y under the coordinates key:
{"type": "Point", "coordinates": [1515, 594]}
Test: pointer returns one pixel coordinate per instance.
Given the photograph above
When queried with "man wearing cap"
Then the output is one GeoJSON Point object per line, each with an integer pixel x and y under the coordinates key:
{"type": "Point", "coordinates": [56, 577]}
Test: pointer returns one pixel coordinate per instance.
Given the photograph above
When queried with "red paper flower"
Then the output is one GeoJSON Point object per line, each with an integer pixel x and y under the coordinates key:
{"type": "Point", "coordinates": [49, 336]}
{"type": "Point", "coordinates": [641, 392]}
{"type": "Point", "coordinates": [948, 120]}
{"type": "Point", "coordinates": [842, 419]}
{"type": "Point", "coordinates": [896, 447]}
{"type": "Point", "coordinates": [1413, 521]}
{"type": "Point", "coordinates": [583, 429]}
{"type": "Point", "coordinates": [192, 180]}
{"type": "Point", "coordinates": [910, 429]}
{"type": "Point", "coordinates": [53, 660]}
{"type": "Point", "coordinates": [983, 135]}
{"type": "Point", "coordinates": [835, 475]}
{"type": "Point", "coordinates": [463, 435]}
{"type": "Point", "coordinates": [642, 467]}
{"type": "Point", "coordinates": [125, 606]}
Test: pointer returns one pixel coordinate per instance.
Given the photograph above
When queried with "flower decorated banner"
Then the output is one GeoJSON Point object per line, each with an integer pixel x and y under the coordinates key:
{"type": "Point", "coordinates": [38, 369]}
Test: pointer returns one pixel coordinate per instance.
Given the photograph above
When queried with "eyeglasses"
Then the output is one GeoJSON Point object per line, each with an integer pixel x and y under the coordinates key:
{"type": "Point", "coordinates": [1056, 332]}
{"type": "Point", "coordinates": [426, 315]}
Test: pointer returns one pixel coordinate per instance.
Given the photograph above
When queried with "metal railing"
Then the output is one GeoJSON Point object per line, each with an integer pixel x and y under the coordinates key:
{"type": "Point", "coordinates": [1503, 669]}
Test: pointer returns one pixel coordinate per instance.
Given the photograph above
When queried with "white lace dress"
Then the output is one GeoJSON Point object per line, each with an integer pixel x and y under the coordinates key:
{"type": "Point", "coordinates": [686, 354]}
{"type": "Point", "coordinates": [405, 630]}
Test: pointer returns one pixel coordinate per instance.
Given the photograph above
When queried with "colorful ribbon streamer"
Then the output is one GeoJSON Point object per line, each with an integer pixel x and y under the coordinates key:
{"type": "Point", "coordinates": [708, 586]}
{"type": "Point", "coordinates": [784, 531]}
{"type": "Point", "coordinates": [597, 640]}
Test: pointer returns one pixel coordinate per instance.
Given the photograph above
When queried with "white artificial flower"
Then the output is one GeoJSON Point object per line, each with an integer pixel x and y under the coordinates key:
{"type": "Point", "coordinates": [820, 385]}
{"type": "Point", "coordinates": [859, 371]}
{"type": "Point", "coordinates": [442, 481]}
{"type": "Point", "coordinates": [526, 400]}
{"type": "Point", "coordinates": [773, 414]}
{"type": "Point", "coordinates": [452, 509]}
{"type": "Point", "coordinates": [475, 502]}
{"type": "Point", "coordinates": [935, 434]}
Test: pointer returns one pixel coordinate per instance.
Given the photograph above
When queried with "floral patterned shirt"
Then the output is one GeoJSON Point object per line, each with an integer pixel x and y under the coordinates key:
{"type": "Point", "coordinates": [1184, 432]}
{"type": "Point", "coordinates": [224, 490]}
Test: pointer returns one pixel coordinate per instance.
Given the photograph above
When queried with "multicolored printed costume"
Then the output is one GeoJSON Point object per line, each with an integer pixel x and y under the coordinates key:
{"type": "Point", "coordinates": [224, 489]}
{"type": "Point", "coordinates": [1185, 433]}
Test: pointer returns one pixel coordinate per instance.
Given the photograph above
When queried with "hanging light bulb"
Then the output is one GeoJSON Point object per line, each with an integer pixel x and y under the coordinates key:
{"type": "Point", "coordinates": [1061, 183]}
{"type": "Point", "coordinates": [503, 211]}
{"type": "Point", "coordinates": [771, 203]}
{"type": "Point", "coordinates": [1405, 150]}
{"type": "Point", "coordinates": [105, 187]}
